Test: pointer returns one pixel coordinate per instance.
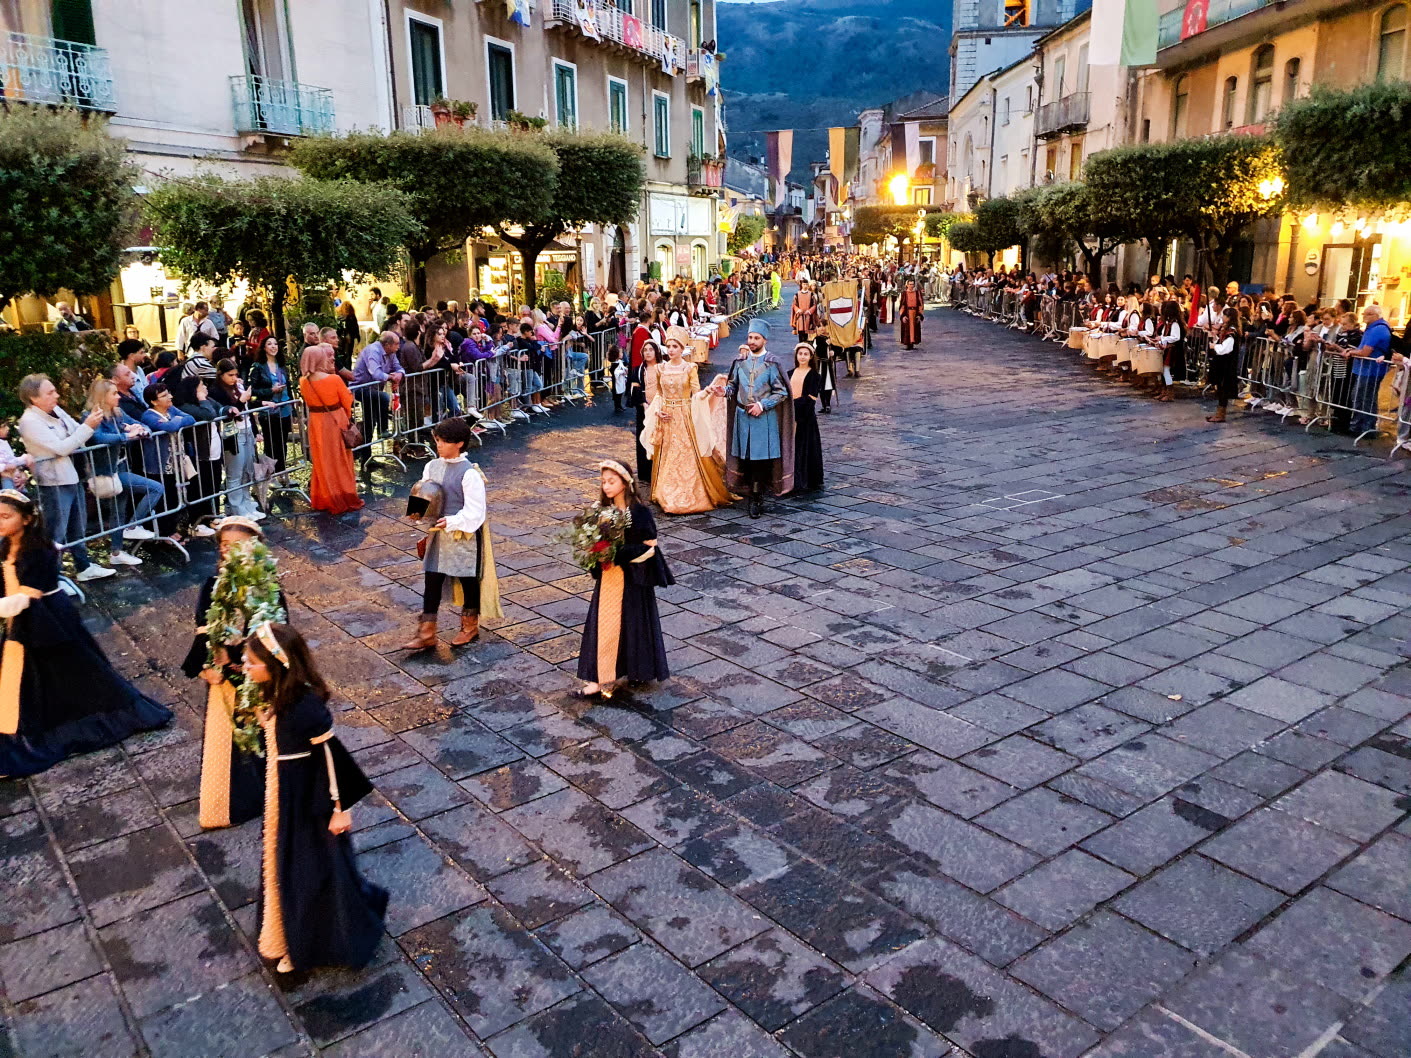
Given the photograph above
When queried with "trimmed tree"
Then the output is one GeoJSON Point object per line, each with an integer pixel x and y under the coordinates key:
{"type": "Point", "coordinates": [964, 236]}
{"type": "Point", "coordinates": [748, 229]}
{"type": "Point", "coordinates": [873, 224]}
{"type": "Point", "coordinates": [1070, 214]}
{"type": "Point", "coordinates": [1137, 187]}
{"type": "Point", "coordinates": [67, 204]}
{"type": "Point", "coordinates": [997, 225]}
{"type": "Point", "coordinates": [1347, 149]}
{"type": "Point", "coordinates": [268, 230]}
{"type": "Point", "coordinates": [458, 181]}
{"type": "Point", "coordinates": [599, 181]}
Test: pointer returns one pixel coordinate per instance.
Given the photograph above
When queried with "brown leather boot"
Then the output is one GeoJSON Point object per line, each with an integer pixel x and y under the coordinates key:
{"type": "Point", "coordinates": [1219, 416]}
{"type": "Point", "coordinates": [470, 630]}
{"type": "Point", "coordinates": [425, 638]}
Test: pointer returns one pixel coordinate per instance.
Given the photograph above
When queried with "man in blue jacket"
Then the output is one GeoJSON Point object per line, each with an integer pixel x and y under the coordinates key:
{"type": "Point", "coordinates": [1368, 367]}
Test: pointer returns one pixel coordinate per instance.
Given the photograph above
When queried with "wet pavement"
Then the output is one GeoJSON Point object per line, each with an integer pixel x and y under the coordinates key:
{"type": "Point", "coordinates": [1061, 724]}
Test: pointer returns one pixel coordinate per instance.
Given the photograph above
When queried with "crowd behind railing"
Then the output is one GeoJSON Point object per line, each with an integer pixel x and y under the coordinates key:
{"type": "Point", "coordinates": [1333, 366]}
{"type": "Point", "coordinates": [167, 442]}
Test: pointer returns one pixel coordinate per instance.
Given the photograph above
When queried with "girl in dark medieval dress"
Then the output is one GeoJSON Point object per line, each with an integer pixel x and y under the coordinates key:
{"type": "Point", "coordinates": [805, 386]}
{"type": "Point", "coordinates": [622, 639]}
{"type": "Point", "coordinates": [58, 693]}
{"type": "Point", "coordinates": [315, 909]}
{"type": "Point", "coordinates": [232, 780]}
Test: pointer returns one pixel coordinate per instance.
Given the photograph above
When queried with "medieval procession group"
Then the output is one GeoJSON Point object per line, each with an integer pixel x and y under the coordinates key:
{"type": "Point", "coordinates": [269, 749]}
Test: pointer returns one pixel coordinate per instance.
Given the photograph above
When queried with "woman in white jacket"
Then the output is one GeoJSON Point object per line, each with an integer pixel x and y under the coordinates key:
{"type": "Point", "coordinates": [51, 436]}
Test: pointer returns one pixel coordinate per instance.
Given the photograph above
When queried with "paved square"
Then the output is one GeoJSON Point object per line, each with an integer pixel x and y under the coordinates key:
{"type": "Point", "coordinates": [1060, 724]}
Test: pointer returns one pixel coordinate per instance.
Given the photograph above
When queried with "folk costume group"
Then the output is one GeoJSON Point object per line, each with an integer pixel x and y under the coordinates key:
{"type": "Point", "coordinates": [752, 431]}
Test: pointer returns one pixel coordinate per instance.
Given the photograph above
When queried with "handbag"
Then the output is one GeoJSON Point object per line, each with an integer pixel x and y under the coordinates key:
{"type": "Point", "coordinates": [351, 433]}
{"type": "Point", "coordinates": [105, 486]}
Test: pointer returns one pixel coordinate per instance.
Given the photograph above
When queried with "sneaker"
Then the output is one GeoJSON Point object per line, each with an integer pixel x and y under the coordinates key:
{"type": "Point", "coordinates": [95, 572]}
{"type": "Point", "coordinates": [138, 533]}
{"type": "Point", "coordinates": [122, 558]}
{"type": "Point", "coordinates": [539, 409]}
{"type": "Point", "coordinates": [202, 529]}
{"type": "Point", "coordinates": [255, 516]}
{"type": "Point", "coordinates": [517, 414]}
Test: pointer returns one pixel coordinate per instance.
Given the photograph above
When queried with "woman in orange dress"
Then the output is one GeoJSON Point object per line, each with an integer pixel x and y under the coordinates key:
{"type": "Point", "coordinates": [333, 486]}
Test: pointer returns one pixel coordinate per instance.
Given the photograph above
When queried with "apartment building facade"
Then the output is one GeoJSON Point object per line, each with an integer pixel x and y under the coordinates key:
{"type": "Point", "coordinates": [644, 68]}
{"type": "Point", "coordinates": [227, 85]}
{"type": "Point", "coordinates": [1249, 59]}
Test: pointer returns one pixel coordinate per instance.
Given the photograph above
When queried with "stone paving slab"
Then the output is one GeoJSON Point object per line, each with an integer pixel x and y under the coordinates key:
{"type": "Point", "coordinates": [1062, 723]}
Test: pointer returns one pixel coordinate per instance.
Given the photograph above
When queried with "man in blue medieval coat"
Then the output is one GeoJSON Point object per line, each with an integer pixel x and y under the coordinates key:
{"type": "Point", "coordinates": [759, 420]}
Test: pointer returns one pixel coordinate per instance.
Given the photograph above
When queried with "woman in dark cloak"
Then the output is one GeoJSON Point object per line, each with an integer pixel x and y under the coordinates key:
{"type": "Point", "coordinates": [910, 308]}
{"type": "Point", "coordinates": [59, 695]}
{"type": "Point", "coordinates": [805, 386]}
{"type": "Point", "coordinates": [622, 639]}
{"type": "Point", "coordinates": [315, 909]}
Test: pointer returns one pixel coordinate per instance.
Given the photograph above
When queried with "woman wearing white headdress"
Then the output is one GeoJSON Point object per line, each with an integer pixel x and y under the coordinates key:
{"type": "Point", "coordinates": [681, 436]}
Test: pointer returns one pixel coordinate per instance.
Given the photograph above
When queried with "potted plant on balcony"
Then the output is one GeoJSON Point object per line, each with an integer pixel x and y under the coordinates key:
{"type": "Point", "coordinates": [463, 110]}
{"type": "Point", "coordinates": [523, 122]}
{"type": "Point", "coordinates": [441, 110]}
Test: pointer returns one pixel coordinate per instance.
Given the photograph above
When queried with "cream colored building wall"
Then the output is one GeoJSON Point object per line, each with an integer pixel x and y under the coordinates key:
{"type": "Point", "coordinates": [968, 153]}
{"type": "Point", "coordinates": [172, 61]}
{"type": "Point", "coordinates": [1014, 140]}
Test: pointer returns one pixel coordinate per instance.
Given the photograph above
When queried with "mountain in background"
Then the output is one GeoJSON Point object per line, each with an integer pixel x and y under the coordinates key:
{"type": "Point", "coordinates": [811, 64]}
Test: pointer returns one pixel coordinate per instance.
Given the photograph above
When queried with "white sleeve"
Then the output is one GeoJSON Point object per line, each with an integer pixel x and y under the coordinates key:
{"type": "Point", "coordinates": [1226, 346]}
{"type": "Point", "coordinates": [472, 516]}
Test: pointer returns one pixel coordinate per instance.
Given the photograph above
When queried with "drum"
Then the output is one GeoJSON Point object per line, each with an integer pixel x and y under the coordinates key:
{"type": "Point", "coordinates": [1107, 346]}
{"type": "Point", "coordinates": [1076, 336]}
{"type": "Point", "coordinates": [1148, 360]}
{"type": "Point", "coordinates": [1125, 348]}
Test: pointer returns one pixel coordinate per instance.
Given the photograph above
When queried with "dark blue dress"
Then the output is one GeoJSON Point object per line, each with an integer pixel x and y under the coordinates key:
{"type": "Point", "coordinates": [641, 651]}
{"type": "Point", "coordinates": [71, 699]}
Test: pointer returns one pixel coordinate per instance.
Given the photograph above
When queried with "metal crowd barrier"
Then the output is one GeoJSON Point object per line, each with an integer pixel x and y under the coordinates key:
{"type": "Point", "coordinates": [196, 472]}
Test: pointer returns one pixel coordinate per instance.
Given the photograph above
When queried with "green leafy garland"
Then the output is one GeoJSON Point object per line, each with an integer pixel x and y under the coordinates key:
{"type": "Point", "coordinates": [246, 595]}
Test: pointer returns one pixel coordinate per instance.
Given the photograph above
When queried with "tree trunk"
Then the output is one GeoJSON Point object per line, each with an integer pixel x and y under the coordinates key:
{"type": "Point", "coordinates": [530, 256]}
{"type": "Point", "coordinates": [419, 259]}
{"type": "Point", "coordinates": [1158, 251]}
{"type": "Point", "coordinates": [276, 310]}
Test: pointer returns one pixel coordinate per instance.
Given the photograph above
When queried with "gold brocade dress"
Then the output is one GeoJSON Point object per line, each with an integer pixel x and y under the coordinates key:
{"type": "Point", "coordinates": [683, 481]}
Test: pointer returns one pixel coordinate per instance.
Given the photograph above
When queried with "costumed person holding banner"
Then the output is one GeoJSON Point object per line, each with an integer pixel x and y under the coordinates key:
{"type": "Point", "coordinates": [451, 495]}
{"type": "Point", "coordinates": [759, 421]}
{"type": "Point", "coordinates": [844, 314]}
{"type": "Point", "coordinates": [622, 640]}
{"type": "Point", "coordinates": [683, 435]}
{"type": "Point", "coordinates": [315, 909]}
{"type": "Point", "coordinates": [243, 593]}
{"type": "Point", "coordinates": [59, 695]}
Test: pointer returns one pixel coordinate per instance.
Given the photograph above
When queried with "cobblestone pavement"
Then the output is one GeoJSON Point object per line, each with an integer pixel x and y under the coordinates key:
{"type": "Point", "coordinates": [1062, 724]}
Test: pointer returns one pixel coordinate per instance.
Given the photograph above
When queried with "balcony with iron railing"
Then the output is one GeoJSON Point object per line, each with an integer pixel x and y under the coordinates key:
{"type": "Point", "coordinates": [55, 73]}
{"type": "Point", "coordinates": [612, 25]}
{"type": "Point", "coordinates": [1063, 115]}
{"type": "Point", "coordinates": [418, 118]}
{"type": "Point", "coordinates": [280, 108]}
{"type": "Point", "coordinates": [704, 174]}
{"type": "Point", "coordinates": [1169, 29]}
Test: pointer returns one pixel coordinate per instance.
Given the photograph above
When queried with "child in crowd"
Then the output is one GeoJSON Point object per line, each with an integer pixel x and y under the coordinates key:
{"type": "Point", "coordinates": [14, 470]}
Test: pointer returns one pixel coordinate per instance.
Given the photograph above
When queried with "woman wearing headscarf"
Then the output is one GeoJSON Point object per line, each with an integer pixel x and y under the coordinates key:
{"type": "Point", "coordinates": [333, 486]}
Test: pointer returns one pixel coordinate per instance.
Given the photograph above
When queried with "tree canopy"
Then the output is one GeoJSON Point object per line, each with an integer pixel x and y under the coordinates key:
{"type": "Point", "coordinates": [1347, 148]}
{"type": "Point", "coordinates": [600, 178]}
{"type": "Point", "coordinates": [873, 224]}
{"type": "Point", "coordinates": [458, 181]}
{"type": "Point", "coordinates": [67, 203]}
{"type": "Point", "coordinates": [269, 229]}
{"type": "Point", "coordinates": [748, 228]}
{"type": "Point", "coordinates": [1069, 214]}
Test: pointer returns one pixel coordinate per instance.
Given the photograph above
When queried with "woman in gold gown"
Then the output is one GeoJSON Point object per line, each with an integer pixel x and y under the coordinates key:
{"type": "Point", "coordinates": [681, 434]}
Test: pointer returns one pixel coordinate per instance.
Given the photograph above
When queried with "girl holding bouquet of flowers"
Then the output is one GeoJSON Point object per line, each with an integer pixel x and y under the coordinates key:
{"type": "Point", "coordinates": [615, 540]}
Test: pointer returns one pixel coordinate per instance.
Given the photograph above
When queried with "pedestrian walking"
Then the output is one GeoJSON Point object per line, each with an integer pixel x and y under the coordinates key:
{"type": "Point", "coordinates": [315, 908]}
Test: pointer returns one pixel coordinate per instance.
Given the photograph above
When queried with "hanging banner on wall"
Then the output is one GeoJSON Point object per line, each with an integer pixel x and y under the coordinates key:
{"type": "Point", "coordinates": [1196, 18]}
{"type": "Point", "coordinates": [587, 12]}
{"type": "Point", "coordinates": [518, 11]}
{"type": "Point", "coordinates": [632, 32]}
{"type": "Point", "coordinates": [673, 55]}
{"type": "Point", "coordinates": [779, 159]}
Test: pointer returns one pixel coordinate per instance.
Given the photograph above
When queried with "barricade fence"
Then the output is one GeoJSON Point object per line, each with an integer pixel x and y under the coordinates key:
{"type": "Point", "coordinates": [172, 476]}
{"type": "Point", "coordinates": [1314, 382]}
